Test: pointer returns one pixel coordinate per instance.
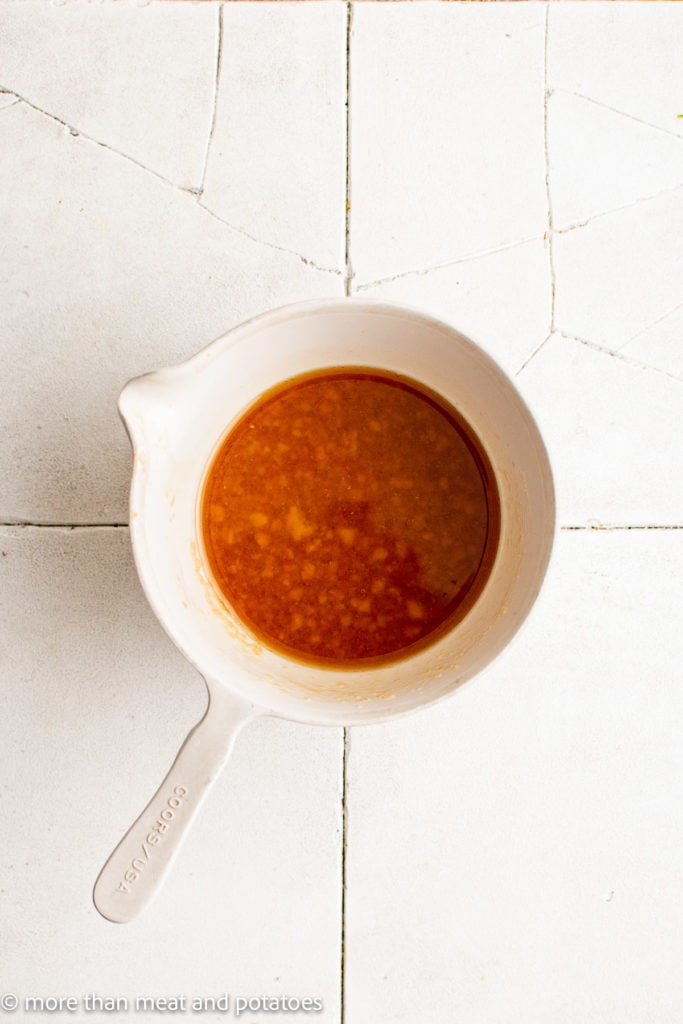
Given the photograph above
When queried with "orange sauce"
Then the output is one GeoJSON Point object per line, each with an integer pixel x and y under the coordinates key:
{"type": "Point", "coordinates": [350, 517]}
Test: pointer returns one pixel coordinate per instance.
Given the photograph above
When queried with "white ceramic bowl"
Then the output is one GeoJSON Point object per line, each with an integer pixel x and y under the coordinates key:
{"type": "Point", "coordinates": [176, 418]}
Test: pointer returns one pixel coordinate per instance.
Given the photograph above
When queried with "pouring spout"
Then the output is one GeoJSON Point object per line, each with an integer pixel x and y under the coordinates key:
{"type": "Point", "coordinates": [146, 404]}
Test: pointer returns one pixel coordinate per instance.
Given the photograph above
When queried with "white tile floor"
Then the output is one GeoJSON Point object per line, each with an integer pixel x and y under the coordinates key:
{"type": "Point", "coordinates": [513, 854]}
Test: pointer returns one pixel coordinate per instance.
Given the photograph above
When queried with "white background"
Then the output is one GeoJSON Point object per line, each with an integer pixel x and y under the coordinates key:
{"type": "Point", "coordinates": [167, 170]}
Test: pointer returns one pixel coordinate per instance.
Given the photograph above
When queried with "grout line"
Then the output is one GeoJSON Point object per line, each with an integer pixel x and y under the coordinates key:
{"type": "Point", "coordinates": [194, 193]}
{"type": "Point", "coordinates": [214, 112]}
{"type": "Point", "coordinates": [532, 355]}
{"type": "Point", "coordinates": [348, 273]}
{"type": "Point", "coordinates": [342, 957]}
{"type": "Point", "coordinates": [546, 152]}
{"type": "Point", "coordinates": [617, 354]}
{"type": "Point", "coordinates": [348, 278]}
{"type": "Point", "coordinates": [610, 527]}
{"type": "Point", "coordinates": [25, 524]}
{"type": "Point", "coordinates": [649, 326]}
{"type": "Point", "coordinates": [78, 133]}
{"type": "Point", "coordinates": [478, 254]}
{"type": "Point", "coordinates": [621, 113]}
{"type": "Point", "coordinates": [617, 209]}
{"type": "Point", "coordinates": [268, 245]}
{"type": "Point", "coordinates": [550, 223]}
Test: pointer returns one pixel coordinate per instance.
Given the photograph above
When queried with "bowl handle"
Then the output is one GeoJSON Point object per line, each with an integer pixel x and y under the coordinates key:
{"type": "Point", "coordinates": [137, 867]}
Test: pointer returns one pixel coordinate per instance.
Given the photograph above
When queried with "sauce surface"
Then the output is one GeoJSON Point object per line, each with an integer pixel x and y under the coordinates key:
{"type": "Point", "coordinates": [350, 517]}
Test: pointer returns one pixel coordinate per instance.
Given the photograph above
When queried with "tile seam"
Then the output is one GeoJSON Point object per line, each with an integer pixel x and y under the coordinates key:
{"type": "Point", "coordinates": [615, 527]}
{"type": "Point", "coordinates": [26, 525]}
{"type": "Point", "coordinates": [76, 133]}
{"type": "Point", "coordinates": [348, 272]}
{"type": "Point", "coordinates": [214, 109]}
{"type": "Point", "coordinates": [576, 226]}
{"type": "Point", "coordinates": [268, 245]}
{"type": "Point", "coordinates": [344, 846]}
{"type": "Point", "coordinates": [348, 283]}
{"type": "Point", "coordinates": [615, 110]}
{"type": "Point", "coordinates": [550, 228]}
{"type": "Point", "coordinates": [193, 193]}
{"type": "Point", "coordinates": [470, 257]}
{"type": "Point", "coordinates": [648, 327]}
{"type": "Point", "coordinates": [617, 354]}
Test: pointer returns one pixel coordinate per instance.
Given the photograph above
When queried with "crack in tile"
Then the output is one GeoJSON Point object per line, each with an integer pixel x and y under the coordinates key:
{"type": "Point", "coordinates": [647, 327]}
{"type": "Point", "coordinates": [26, 524]}
{"type": "Point", "coordinates": [618, 209]}
{"type": "Point", "coordinates": [8, 106]}
{"type": "Point", "coordinates": [77, 133]}
{"type": "Point", "coordinates": [468, 258]}
{"type": "Point", "coordinates": [615, 354]}
{"type": "Point", "coordinates": [71, 527]}
{"type": "Point", "coordinates": [217, 82]}
{"type": "Point", "coordinates": [194, 193]}
{"type": "Point", "coordinates": [621, 113]}
{"type": "Point", "coordinates": [533, 355]}
{"type": "Point", "coordinates": [269, 245]}
{"type": "Point", "coordinates": [549, 237]}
